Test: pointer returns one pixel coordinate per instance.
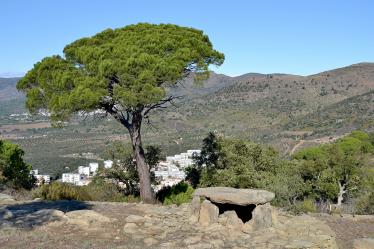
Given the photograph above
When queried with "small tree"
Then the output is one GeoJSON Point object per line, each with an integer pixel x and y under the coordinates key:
{"type": "Point", "coordinates": [124, 72]}
{"type": "Point", "coordinates": [239, 163]}
{"type": "Point", "coordinates": [334, 171]}
{"type": "Point", "coordinates": [13, 170]}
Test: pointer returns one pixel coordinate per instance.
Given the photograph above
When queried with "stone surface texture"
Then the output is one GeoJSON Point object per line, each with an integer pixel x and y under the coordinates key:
{"type": "Point", "coordinates": [139, 226]}
{"type": "Point", "coordinates": [262, 216]}
{"type": "Point", "coordinates": [194, 209]}
{"type": "Point", "coordinates": [238, 200]}
{"type": "Point", "coordinates": [241, 197]}
{"type": "Point", "coordinates": [5, 199]}
{"type": "Point", "coordinates": [208, 213]}
{"type": "Point", "coordinates": [364, 243]}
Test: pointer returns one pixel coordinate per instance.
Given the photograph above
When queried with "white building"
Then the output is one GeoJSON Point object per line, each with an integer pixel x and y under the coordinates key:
{"type": "Point", "coordinates": [184, 159]}
{"type": "Point", "coordinates": [161, 173]}
{"type": "Point", "coordinates": [193, 153]}
{"type": "Point", "coordinates": [175, 172]}
{"type": "Point", "coordinates": [94, 167]}
{"type": "Point", "coordinates": [171, 171]}
{"type": "Point", "coordinates": [34, 172]}
{"type": "Point", "coordinates": [82, 170]}
{"type": "Point", "coordinates": [42, 179]}
{"type": "Point", "coordinates": [73, 178]}
{"type": "Point", "coordinates": [108, 164]}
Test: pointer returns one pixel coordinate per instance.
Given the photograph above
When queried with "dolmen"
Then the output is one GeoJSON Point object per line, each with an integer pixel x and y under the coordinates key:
{"type": "Point", "coordinates": [244, 209]}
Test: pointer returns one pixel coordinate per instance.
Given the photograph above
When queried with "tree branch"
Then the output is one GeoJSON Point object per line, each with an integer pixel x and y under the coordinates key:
{"type": "Point", "coordinates": [117, 115]}
{"type": "Point", "coordinates": [160, 104]}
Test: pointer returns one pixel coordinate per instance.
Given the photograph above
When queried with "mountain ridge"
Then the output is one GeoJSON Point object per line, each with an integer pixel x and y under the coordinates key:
{"type": "Point", "coordinates": [276, 109]}
{"type": "Point", "coordinates": [7, 84]}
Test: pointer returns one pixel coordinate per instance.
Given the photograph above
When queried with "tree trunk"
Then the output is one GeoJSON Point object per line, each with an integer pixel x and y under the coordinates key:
{"type": "Point", "coordinates": [342, 191]}
{"type": "Point", "coordinates": [146, 193]}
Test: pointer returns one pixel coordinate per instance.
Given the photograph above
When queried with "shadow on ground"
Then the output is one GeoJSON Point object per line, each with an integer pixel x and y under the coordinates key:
{"type": "Point", "coordinates": [36, 213]}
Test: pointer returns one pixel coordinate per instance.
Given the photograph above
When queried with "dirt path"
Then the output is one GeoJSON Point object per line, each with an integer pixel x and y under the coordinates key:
{"type": "Point", "coordinates": [321, 140]}
{"type": "Point", "coordinates": [301, 142]}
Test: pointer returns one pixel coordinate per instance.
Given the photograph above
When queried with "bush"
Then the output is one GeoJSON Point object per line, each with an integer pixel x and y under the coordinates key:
{"type": "Point", "coordinates": [104, 191]}
{"type": "Point", "coordinates": [95, 191]}
{"type": "Point", "coordinates": [14, 172]}
{"type": "Point", "coordinates": [177, 194]}
{"type": "Point", "coordinates": [61, 191]}
{"type": "Point", "coordinates": [306, 206]}
{"type": "Point", "coordinates": [365, 204]}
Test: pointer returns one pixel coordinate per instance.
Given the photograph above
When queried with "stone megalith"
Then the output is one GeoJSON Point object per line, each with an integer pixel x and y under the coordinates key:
{"type": "Point", "coordinates": [208, 213]}
{"type": "Point", "coordinates": [194, 210]}
{"type": "Point", "coordinates": [245, 209]}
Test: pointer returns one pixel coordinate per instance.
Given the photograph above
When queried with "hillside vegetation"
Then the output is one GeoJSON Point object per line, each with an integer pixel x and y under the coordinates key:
{"type": "Point", "coordinates": [276, 109]}
{"type": "Point", "coordinates": [336, 173]}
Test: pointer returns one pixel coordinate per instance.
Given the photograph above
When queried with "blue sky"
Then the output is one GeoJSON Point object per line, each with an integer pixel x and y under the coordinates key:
{"type": "Point", "coordinates": [297, 37]}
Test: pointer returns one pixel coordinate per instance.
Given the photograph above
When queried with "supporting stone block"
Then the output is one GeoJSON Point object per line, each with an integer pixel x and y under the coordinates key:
{"type": "Point", "coordinates": [208, 213]}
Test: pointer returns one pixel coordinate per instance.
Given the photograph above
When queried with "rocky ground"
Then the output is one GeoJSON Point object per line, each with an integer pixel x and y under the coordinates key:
{"type": "Point", "coordinates": [71, 224]}
{"type": "Point", "coordinates": [349, 230]}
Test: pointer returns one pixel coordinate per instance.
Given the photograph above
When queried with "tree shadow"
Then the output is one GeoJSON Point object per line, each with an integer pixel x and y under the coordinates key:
{"type": "Point", "coordinates": [37, 213]}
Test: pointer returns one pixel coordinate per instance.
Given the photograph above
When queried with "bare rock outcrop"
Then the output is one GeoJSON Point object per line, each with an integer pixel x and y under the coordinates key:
{"type": "Point", "coordinates": [85, 218]}
{"type": "Point", "coordinates": [138, 226]}
{"type": "Point", "coordinates": [4, 198]}
{"type": "Point", "coordinates": [5, 214]}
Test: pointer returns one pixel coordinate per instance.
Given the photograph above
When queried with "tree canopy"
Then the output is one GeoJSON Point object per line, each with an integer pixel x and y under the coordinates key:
{"type": "Point", "coordinates": [118, 70]}
{"type": "Point", "coordinates": [238, 163]}
{"type": "Point", "coordinates": [326, 173]}
{"type": "Point", "coordinates": [335, 171]}
{"type": "Point", "coordinates": [13, 170]}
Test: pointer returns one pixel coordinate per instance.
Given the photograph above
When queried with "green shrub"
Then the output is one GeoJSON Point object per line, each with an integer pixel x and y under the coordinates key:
{"type": "Point", "coordinates": [180, 198]}
{"type": "Point", "coordinates": [177, 194]}
{"type": "Point", "coordinates": [305, 206]}
{"type": "Point", "coordinates": [308, 206]}
{"type": "Point", "coordinates": [104, 191]}
{"type": "Point", "coordinates": [294, 209]}
{"type": "Point", "coordinates": [95, 191]}
{"type": "Point", "coordinates": [365, 204]}
{"type": "Point", "coordinates": [61, 191]}
{"type": "Point", "coordinates": [14, 172]}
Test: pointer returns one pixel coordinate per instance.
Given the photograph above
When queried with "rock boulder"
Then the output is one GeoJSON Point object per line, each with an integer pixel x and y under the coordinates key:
{"type": "Point", "coordinates": [194, 210]}
{"type": "Point", "coordinates": [6, 198]}
{"type": "Point", "coordinates": [234, 196]}
{"type": "Point", "coordinates": [5, 214]}
{"type": "Point", "coordinates": [242, 209]}
{"type": "Point", "coordinates": [208, 213]}
{"type": "Point", "coordinates": [262, 216]}
{"type": "Point", "coordinates": [84, 218]}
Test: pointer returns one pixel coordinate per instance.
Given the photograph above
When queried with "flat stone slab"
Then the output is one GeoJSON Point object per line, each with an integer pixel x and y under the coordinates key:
{"type": "Point", "coordinates": [234, 196]}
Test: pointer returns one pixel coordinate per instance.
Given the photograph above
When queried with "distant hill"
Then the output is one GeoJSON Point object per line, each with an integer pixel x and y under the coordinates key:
{"type": "Point", "coordinates": [8, 89]}
{"type": "Point", "coordinates": [351, 113]}
{"type": "Point", "coordinates": [277, 109]}
{"type": "Point", "coordinates": [261, 102]}
{"type": "Point", "coordinates": [11, 101]}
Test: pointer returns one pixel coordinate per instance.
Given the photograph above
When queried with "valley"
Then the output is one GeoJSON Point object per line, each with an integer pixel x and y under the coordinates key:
{"type": "Point", "coordinates": [276, 109]}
